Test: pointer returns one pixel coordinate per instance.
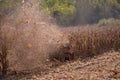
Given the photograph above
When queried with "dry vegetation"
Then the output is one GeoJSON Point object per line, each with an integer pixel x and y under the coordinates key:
{"type": "Point", "coordinates": [27, 39]}
{"type": "Point", "coordinates": [90, 41]}
{"type": "Point", "coordinates": [6, 43]}
{"type": "Point", "coordinates": [83, 41]}
{"type": "Point", "coordinates": [102, 67]}
{"type": "Point", "coordinates": [36, 41]}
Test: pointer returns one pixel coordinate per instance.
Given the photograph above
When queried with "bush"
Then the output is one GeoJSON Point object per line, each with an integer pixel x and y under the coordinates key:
{"type": "Point", "coordinates": [109, 22]}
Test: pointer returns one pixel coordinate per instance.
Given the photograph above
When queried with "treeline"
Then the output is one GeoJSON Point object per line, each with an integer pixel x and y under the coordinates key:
{"type": "Point", "coordinates": [73, 12]}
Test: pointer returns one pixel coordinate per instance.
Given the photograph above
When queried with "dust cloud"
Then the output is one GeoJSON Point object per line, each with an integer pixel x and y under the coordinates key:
{"type": "Point", "coordinates": [34, 37]}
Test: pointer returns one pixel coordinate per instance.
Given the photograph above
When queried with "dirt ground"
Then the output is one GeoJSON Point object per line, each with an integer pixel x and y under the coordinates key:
{"type": "Point", "coordinates": [102, 67]}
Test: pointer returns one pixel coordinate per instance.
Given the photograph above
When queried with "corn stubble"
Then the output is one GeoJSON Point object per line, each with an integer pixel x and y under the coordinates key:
{"type": "Point", "coordinates": [93, 41]}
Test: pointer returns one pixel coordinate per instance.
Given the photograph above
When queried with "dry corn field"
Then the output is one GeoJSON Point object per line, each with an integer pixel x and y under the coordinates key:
{"type": "Point", "coordinates": [90, 41]}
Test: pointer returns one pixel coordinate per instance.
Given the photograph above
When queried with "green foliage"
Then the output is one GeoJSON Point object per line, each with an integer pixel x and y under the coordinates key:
{"type": "Point", "coordinates": [81, 11]}
{"type": "Point", "coordinates": [62, 10]}
{"type": "Point", "coordinates": [3, 4]}
{"type": "Point", "coordinates": [107, 22]}
{"type": "Point", "coordinates": [105, 6]}
{"type": "Point", "coordinates": [8, 3]}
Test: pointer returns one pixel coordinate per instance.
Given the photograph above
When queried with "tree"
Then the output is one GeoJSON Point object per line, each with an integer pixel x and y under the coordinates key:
{"type": "Point", "coordinates": [62, 10]}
